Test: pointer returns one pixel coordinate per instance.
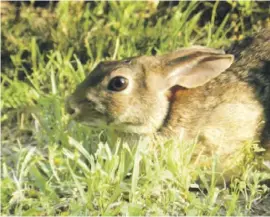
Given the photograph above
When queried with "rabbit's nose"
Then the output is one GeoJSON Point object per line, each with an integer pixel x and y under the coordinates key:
{"type": "Point", "coordinates": [70, 107]}
{"type": "Point", "coordinates": [70, 110]}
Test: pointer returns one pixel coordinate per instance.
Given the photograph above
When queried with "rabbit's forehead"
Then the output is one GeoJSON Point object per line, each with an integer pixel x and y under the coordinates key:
{"type": "Point", "coordinates": [130, 67]}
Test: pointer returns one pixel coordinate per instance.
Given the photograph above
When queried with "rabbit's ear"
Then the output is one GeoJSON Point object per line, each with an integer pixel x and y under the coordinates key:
{"type": "Point", "coordinates": [195, 66]}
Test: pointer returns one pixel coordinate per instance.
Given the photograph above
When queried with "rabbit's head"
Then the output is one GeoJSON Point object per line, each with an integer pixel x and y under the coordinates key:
{"type": "Point", "coordinates": [134, 95]}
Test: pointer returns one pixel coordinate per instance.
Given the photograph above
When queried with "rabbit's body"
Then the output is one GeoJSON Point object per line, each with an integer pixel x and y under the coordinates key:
{"type": "Point", "coordinates": [224, 120]}
{"type": "Point", "coordinates": [194, 92]}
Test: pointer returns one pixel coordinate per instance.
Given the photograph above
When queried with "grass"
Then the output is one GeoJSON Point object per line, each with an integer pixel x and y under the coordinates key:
{"type": "Point", "coordinates": [51, 165]}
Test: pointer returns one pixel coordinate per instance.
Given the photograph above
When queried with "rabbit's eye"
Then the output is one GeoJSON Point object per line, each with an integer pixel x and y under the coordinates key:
{"type": "Point", "coordinates": [118, 83]}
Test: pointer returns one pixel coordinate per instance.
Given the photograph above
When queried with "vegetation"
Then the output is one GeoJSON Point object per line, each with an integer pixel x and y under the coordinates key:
{"type": "Point", "coordinates": [52, 165]}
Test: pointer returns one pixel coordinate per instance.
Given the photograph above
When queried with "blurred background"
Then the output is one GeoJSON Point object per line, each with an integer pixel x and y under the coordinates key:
{"type": "Point", "coordinates": [93, 30]}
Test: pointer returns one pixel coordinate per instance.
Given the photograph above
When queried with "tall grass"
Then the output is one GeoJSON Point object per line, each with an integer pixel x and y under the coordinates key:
{"type": "Point", "coordinates": [51, 165]}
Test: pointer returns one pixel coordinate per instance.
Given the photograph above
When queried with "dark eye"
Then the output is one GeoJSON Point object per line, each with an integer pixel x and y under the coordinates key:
{"type": "Point", "coordinates": [118, 83]}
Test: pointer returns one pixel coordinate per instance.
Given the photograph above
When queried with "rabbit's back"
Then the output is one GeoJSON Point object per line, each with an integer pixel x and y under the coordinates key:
{"type": "Point", "coordinates": [253, 66]}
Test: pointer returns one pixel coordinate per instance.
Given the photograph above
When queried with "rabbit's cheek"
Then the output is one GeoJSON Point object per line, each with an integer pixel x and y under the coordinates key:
{"type": "Point", "coordinates": [90, 116]}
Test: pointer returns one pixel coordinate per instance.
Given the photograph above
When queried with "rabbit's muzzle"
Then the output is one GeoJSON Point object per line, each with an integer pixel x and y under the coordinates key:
{"type": "Point", "coordinates": [72, 107]}
{"type": "Point", "coordinates": [84, 110]}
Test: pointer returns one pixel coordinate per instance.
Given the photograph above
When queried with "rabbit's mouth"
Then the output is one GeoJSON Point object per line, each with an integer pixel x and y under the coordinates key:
{"type": "Point", "coordinates": [92, 115]}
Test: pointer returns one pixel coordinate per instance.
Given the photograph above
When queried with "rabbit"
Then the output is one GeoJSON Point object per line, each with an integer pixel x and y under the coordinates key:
{"type": "Point", "coordinates": [222, 100]}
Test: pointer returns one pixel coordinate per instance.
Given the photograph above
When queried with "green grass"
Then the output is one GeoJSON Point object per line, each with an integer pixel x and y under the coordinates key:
{"type": "Point", "coordinates": [52, 165]}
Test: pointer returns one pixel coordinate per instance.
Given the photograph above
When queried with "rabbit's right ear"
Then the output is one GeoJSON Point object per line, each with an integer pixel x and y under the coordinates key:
{"type": "Point", "coordinates": [195, 66]}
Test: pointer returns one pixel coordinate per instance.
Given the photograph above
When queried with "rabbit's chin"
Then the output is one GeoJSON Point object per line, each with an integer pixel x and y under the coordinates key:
{"type": "Point", "coordinates": [124, 127]}
{"type": "Point", "coordinates": [134, 128]}
{"type": "Point", "coordinates": [99, 121]}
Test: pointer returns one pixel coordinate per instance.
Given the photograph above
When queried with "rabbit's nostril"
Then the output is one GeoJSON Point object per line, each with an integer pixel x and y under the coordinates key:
{"type": "Point", "coordinates": [70, 110]}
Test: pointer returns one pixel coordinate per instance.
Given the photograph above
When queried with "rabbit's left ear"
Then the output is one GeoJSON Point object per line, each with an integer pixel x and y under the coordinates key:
{"type": "Point", "coordinates": [194, 66]}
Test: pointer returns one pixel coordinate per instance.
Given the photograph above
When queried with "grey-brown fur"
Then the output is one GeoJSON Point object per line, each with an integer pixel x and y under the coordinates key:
{"type": "Point", "coordinates": [194, 92]}
{"type": "Point", "coordinates": [256, 72]}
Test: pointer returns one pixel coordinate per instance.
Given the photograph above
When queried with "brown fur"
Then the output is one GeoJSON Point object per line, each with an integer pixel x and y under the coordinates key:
{"type": "Point", "coordinates": [186, 91]}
